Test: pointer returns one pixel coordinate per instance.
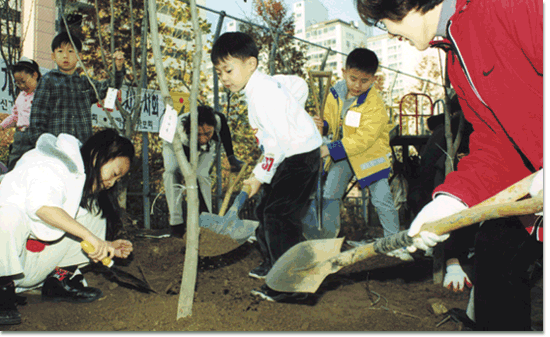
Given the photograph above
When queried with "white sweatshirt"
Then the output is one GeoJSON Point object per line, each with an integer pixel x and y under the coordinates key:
{"type": "Point", "coordinates": [281, 125]}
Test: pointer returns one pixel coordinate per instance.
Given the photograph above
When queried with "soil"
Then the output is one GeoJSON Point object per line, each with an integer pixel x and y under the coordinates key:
{"type": "Point", "coordinates": [378, 294]}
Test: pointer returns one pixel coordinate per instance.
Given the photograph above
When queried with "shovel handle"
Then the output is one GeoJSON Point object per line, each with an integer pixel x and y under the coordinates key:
{"type": "Point", "coordinates": [239, 202]}
{"type": "Point", "coordinates": [88, 248]}
{"type": "Point", "coordinates": [502, 204]}
{"type": "Point", "coordinates": [230, 190]}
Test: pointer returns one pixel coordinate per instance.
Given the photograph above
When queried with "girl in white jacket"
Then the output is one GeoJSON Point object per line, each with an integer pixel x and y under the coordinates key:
{"type": "Point", "coordinates": [57, 195]}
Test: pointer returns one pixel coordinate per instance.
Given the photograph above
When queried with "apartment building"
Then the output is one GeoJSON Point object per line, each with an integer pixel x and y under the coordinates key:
{"type": "Point", "coordinates": [401, 56]}
{"type": "Point", "coordinates": [340, 36]}
{"type": "Point", "coordinates": [307, 13]}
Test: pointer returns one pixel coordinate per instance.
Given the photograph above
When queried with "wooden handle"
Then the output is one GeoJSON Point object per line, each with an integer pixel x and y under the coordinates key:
{"type": "Point", "coordinates": [481, 213]}
{"type": "Point", "coordinates": [88, 248]}
{"type": "Point", "coordinates": [502, 204]}
{"type": "Point", "coordinates": [225, 203]}
{"type": "Point", "coordinates": [320, 106]}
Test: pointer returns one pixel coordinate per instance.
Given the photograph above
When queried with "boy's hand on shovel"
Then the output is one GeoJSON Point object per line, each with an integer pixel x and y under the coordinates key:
{"type": "Point", "coordinates": [253, 184]}
{"type": "Point", "coordinates": [442, 206]}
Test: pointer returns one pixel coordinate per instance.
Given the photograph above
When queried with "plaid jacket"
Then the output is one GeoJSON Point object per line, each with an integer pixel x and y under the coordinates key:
{"type": "Point", "coordinates": [62, 104]}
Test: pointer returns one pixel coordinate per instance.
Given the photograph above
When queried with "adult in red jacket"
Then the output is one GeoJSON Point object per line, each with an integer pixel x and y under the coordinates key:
{"type": "Point", "coordinates": [495, 63]}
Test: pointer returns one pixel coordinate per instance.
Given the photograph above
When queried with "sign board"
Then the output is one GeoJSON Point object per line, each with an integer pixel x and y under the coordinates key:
{"type": "Point", "coordinates": [6, 99]}
{"type": "Point", "coordinates": [152, 109]}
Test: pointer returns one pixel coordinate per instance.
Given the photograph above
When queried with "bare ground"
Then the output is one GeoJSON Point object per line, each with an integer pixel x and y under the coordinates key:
{"type": "Point", "coordinates": [378, 294]}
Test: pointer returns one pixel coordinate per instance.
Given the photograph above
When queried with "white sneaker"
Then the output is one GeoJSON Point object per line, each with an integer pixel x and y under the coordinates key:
{"type": "Point", "coordinates": [401, 253]}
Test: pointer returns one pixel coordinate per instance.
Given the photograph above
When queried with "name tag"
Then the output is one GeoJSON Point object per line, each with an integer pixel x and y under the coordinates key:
{"type": "Point", "coordinates": [110, 98]}
{"type": "Point", "coordinates": [168, 126]}
{"type": "Point", "coordinates": [353, 119]}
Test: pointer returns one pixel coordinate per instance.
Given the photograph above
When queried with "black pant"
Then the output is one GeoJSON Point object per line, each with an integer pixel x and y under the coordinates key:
{"type": "Point", "coordinates": [283, 203]}
{"type": "Point", "coordinates": [504, 250]}
{"type": "Point", "coordinates": [225, 135]}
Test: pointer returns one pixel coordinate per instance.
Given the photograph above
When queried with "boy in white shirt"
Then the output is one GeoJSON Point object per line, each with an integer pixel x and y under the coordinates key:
{"type": "Point", "coordinates": [290, 143]}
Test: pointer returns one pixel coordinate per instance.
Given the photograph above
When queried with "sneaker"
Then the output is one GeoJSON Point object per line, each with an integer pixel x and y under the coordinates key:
{"type": "Point", "coordinates": [261, 271]}
{"type": "Point", "coordinates": [8, 300]}
{"type": "Point", "coordinates": [60, 287]}
{"type": "Point", "coordinates": [402, 254]}
{"type": "Point", "coordinates": [271, 295]}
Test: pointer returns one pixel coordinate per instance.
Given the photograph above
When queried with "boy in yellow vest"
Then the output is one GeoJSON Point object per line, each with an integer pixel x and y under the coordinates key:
{"type": "Point", "coordinates": [357, 123]}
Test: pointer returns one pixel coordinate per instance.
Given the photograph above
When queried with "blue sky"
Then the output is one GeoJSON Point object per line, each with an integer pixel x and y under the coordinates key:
{"type": "Point", "coordinates": [337, 9]}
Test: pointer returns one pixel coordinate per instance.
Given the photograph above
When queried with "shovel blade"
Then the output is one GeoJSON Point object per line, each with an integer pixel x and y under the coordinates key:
{"type": "Point", "coordinates": [210, 221]}
{"type": "Point", "coordinates": [128, 280]}
{"type": "Point", "coordinates": [331, 220]}
{"type": "Point", "coordinates": [304, 266]}
{"type": "Point", "coordinates": [241, 230]}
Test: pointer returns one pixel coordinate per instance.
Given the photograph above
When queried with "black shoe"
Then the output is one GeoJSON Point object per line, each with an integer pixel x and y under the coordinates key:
{"type": "Point", "coordinates": [271, 295]}
{"type": "Point", "coordinates": [261, 271]}
{"type": "Point", "coordinates": [235, 163]}
{"type": "Point", "coordinates": [459, 315]}
{"type": "Point", "coordinates": [177, 231]}
{"type": "Point", "coordinates": [8, 300]}
{"type": "Point", "coordinates": [60, 287]}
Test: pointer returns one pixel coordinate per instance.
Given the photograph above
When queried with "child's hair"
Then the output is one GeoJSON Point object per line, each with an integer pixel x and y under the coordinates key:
{"type": "Point", "coordinates": [27, 66]}
{"type": "Point", "coordinates": [96, 152]}
{"type": "Point", "coordinates": [63, 38]}
{"type": "Point", "coordinates": [206, 116]}
{"type": "Point", "coordinates": [362, 59]}
{"type": "Point", "coordinates": [234, 44]}
{"type": "Point", "coordinates": [371, 11]}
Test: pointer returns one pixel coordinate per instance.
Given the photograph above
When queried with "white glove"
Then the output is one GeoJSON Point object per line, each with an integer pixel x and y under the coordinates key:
{"type": "Point", "coordinates": [442, 206]}
{"type": "Point", "coordinates": [537, 186]}
{"type": "Point", "coordinates": [456, 278]}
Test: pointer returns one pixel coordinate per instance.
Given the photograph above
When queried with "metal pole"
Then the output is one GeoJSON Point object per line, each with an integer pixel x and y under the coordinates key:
{"type": "Point", "coordinates": [219, 191]}
{"type": "Point", "coordinates": [144, 135]}
{"type": "Point", "coordinates": [273, 54]}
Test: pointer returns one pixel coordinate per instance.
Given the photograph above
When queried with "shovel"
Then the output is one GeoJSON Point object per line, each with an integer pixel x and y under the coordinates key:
{"type": "Point", "coordinates": [322, 220]}
{"type": "Point", "coordinates": [330, 223]}
{"type": "Point", "coordinates": [120, 276]}
{"type": "Point", "coordinates": [230, 225]}
{"type": "Point", "coordinates": [304, 267]}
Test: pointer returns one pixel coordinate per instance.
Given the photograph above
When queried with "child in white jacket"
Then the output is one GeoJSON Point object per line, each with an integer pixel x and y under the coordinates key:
{"type": "Point", "coordinates": [290, 143]}
{"type": "Point", "coordinates": [56, 189]}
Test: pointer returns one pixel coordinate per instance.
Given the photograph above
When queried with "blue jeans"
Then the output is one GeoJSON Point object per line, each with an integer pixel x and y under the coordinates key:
{"type": "Point", "coordinates": [338, 178]}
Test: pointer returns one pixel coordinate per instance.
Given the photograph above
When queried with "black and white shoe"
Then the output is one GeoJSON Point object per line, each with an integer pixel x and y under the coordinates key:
{"type": "Point", "coordinates": [59, 286]}
{"type": "Point", "coordinates": [271, 295]}
{"type": "Point", "coordinates": [261, 271]}
{"type": "Point", "coordinates": [8, 301]}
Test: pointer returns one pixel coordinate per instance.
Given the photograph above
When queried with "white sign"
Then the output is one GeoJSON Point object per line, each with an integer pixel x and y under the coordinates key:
{"type": "Point", "coordinates": [152, 105]}
{"type": "Point", "coordinates": [111, 98]}
{"type": "Point", "coordinates": [152, 109]}
{"type": "Point", "coordinates": [169, 123]}
{"type": "Point", "coordinates": [6, 98]}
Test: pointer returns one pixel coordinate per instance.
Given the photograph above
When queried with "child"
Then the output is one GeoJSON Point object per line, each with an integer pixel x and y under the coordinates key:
{"type": "Point", "coordinates": [26, 74]}
{"type": "Point", "coordinates": [290, 144]}
{"type": "Point", "coordinates": [209, 124]}
{"type": "Point", "coordinates": [59, 194]}
{"type": "Point", "coordinates": [63, 99]}
{"type": "Point", "coordinates": [358, 125]}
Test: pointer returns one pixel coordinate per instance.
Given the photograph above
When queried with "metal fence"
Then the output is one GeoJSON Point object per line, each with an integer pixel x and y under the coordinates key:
{"type": "Point", "coordinates": [217, 196]}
